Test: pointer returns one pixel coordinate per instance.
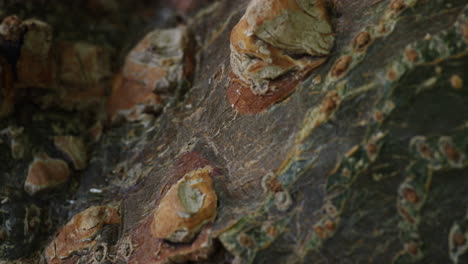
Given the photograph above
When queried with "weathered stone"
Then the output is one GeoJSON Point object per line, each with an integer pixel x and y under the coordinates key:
{"type": "Point", "coordinates": [158, 60]}
{"type": "Point", "coordinates": [158, 65]}
{"type": "Point", "coordinates": [80, 232]}
{"type": "Point", "coordinates": [270, 32]}
{"type": "Point", "coordinates": [130, 100]}
{"type": "Point", "coordinates": [187, 206]}
{"type": "Point", "coordinates": [45, 173]}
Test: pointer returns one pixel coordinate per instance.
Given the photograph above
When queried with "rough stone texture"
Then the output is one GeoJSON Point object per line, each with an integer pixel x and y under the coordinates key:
{"type": "Point", "coordinates": [363, 162]}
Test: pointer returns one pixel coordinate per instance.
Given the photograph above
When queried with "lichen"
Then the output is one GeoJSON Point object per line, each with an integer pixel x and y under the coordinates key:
{"type": "Point", "coordinates": [271, 32]}
{"type": "Point", "coordinates": [186, 208]}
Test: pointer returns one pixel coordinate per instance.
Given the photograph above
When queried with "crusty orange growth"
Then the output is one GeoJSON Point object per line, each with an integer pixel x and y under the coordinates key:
{"type": "Point", "coordinates": [156, 66]}
{"type": "Point", "coordinates": [45, 173]}
{"type": "Point", "coordinates": [188, 205]}
{"type": "Point", "coordinates": [275, 37]}
{"type": "Point", "coordinates": [79, 233]}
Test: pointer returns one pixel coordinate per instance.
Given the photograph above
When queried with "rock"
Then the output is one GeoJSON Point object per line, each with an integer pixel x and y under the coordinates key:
{"type": "Point", "coordinates": [45, 173]}
{"type": "Point", "coordinates": [186, 208]}
{"type": "Point", "coordinates": [160, 63]}
{"type": "Point", "coordinates": [130, 100]}
{"type": "Point", "coordinates": [271, 35]}
{"type": "Point", "coordinates": [80, 232]}
{"type": "Point", "coordinates": [158, 59]}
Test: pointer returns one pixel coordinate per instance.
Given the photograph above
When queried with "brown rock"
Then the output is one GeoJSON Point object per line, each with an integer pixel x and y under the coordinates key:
{"type": "Point", "coordinates": [79, 233]}
{"type": "Point", "coordinates": [158, 59]}
{"type": "Point", "coordinates": [159, 63]}
{"type": "Point", "coordinates": [45, 173]}
{"type": "Point", "coordinates": [188, 205]}
{"type": "Point", "coordinates": [272, 30]}
{"type": "Point", "coordinates": [130, 100]}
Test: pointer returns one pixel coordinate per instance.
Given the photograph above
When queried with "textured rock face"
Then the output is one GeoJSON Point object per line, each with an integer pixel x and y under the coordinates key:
{"type": "Point", "coordinates": [131, 100]}
{"type": "Point", "coordinates": [359, 157]}
{"type": "Point", "coordinates": [158, 59]}
{"type": "Point", "coordinates": [80, 233]}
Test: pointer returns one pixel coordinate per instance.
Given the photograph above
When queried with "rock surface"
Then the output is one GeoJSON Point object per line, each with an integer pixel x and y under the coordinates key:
{"type": "Point", "coordinates": [361, 160]}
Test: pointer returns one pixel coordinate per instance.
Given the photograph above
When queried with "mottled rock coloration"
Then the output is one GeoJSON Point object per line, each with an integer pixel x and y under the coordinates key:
{"type": "Point", "coordinates": [45, 173]}
{"type": "Point", "coordinates": [271, 35]}
{"type": "Point", "coordinates": [158, 65]}
{"type": "Point", "coordinates": [187, 206]}
{"type": "Point", "coordinates": [80, 232]}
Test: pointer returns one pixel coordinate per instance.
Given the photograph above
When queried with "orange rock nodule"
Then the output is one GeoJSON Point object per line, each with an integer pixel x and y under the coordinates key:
{"type": "Point", "coordinates": [188, 205]}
